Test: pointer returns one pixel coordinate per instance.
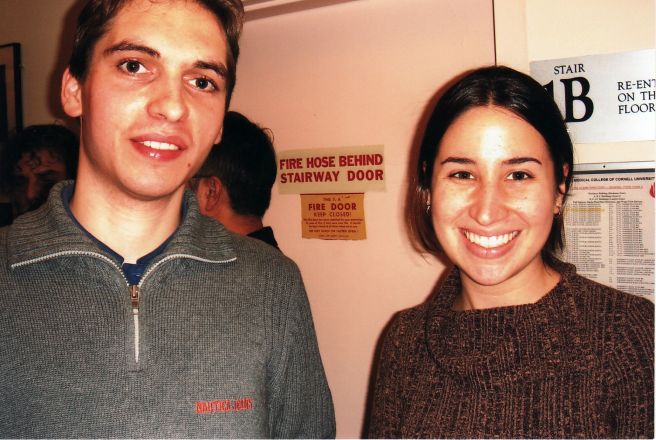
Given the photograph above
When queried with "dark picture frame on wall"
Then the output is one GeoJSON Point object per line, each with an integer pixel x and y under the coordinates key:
{"type": "Point", "coordinates": [11, 103]}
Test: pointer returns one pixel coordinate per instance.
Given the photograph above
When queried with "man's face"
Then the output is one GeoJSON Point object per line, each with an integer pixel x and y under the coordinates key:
{"type": "Point", "coordinates": [153, 99]}
{"type": "Point", "coordinates": [34, 174]}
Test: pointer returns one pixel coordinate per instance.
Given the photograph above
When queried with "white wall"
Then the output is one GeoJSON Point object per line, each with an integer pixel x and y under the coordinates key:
{"type": "Point", "coordinates": [38, 26]}
{"type": "Point", "coordinates": [552, 29]}
{"type": "Point", "coordinates": [357, 73]}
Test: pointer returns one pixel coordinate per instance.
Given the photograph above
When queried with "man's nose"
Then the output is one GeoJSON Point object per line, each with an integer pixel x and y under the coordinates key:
{"type": "Point", "coordinates": [33, 188]}
{"type": "Point", "coordinates": [168, 101]}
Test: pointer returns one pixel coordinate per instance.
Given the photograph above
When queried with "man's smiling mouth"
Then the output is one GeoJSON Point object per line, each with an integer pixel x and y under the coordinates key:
{"type": "Point", "coordinates": [160, 145]}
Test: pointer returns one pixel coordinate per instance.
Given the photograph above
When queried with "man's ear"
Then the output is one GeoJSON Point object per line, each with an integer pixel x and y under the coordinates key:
{"type": "Point", "coordinates": [214, 192]}
{"type": "Point", "coordinates": [218, 138]}
{"type": "Point", "coordinates": [71, 94]}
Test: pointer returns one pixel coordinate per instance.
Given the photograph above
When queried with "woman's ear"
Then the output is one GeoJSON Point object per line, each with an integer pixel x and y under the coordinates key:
{"type": "Point", "coordinates": [562, 188]}
{"type": "Point", "coordinates": [71, 94]}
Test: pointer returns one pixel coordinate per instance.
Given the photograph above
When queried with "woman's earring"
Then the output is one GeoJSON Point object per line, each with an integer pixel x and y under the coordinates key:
{"type": "Point", "coordinates": [428, 206]}
{"type": "Point", "coordinates": [560, 211]}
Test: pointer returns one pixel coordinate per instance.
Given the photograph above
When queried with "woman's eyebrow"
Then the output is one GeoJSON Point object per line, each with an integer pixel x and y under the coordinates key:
{"type": "Point", "coordinates": [520, 160]}
{"type": "Point", "coordinates": [511, 161]}
{"type": "Point", "coordinates": [458, 160]}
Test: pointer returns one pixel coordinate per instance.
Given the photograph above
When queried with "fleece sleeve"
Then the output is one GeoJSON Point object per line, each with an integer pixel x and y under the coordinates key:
{"type": "Point", "coordinates": [300, 402]}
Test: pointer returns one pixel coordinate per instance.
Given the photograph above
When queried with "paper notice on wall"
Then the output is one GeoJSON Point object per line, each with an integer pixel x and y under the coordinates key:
{"type": "Point", "coordinates": [331, 170]}
{"type": "Point", "coordinates": [609, 229]}
{"type": "Point", "coordinates": [333, 216]}
{"type": "Point", "coordinates": [604, 98]}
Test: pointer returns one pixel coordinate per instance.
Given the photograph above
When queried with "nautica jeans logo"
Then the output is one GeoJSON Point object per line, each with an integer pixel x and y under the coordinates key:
{"type": "Point", "coordinates": [225, 405]}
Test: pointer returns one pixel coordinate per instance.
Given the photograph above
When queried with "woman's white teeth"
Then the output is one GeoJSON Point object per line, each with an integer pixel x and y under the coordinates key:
{"type": "Point", "coordinates": [492, 241]}
{"type": "Point", "coordinates": [160, 145]}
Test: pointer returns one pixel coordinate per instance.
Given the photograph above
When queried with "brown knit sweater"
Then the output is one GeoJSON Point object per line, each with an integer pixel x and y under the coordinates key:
{"type": "Point", "coordinates": [578, 363]}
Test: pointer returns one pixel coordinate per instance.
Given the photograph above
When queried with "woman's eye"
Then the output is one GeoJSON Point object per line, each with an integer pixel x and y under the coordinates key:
{"type": "Point", "coordinates": [131, 66]}
{"type": "Point", "coordinates": [462, 175]}
{"type": "Point", "coordinates": [519, 175]}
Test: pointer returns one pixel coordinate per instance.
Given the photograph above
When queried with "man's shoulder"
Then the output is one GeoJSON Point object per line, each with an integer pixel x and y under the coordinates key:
{"type": "Point", "coordinates": [4, 232]}
{"type": "Point", "coordinates": [259, 252]}
{"type": "Point", "coordinates": [248, 252]}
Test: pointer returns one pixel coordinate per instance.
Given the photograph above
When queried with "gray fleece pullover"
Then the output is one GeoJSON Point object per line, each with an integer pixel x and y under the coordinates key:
{"type": "Point", "coordinates": [217, 339]}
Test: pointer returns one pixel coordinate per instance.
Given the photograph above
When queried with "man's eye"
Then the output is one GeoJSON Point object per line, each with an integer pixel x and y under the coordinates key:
{"type": "Point", "coordinates": [519, 175]}
{"type": "Point", "coordinates": [132, 66]}
{"type": "Point", "coordinates": [49, 177]}
{"type": "Point", "coordinates": [204, 84]}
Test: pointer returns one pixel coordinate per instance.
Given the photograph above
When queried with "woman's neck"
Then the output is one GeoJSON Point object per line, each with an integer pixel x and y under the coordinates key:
{"type": "Point", "coordinates": [526, 287]}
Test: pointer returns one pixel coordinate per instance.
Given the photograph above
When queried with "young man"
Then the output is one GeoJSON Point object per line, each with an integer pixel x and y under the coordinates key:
{"type": "Point", "coordinates": [125, 313]}
{"type": "Point", "coordinates": [234, 184]}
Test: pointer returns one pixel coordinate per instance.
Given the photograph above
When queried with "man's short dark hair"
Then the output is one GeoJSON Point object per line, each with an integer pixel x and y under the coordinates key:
{"type": "Point", "coordinates": [61, 142]}
{"type": "Point", "coordinates": [245, 163]}
{"type": "Point", "coordinates": [96, 17]}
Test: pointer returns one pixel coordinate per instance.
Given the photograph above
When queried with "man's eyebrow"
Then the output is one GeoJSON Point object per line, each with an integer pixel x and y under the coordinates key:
{"type": "Point", "coordinates": [127, 46]}
{"type": "Point", "coordinates": [218, 68]}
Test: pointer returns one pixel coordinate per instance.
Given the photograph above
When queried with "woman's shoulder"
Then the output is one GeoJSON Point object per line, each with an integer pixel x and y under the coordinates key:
{"type": "Point", "coordinates": [587, 289]}
{"type": "Point", "coordinates": [405, 328]}
{"type": "Point", "coordinates": [603, 299]}
{"type": "Point", "coordinates": [612, 315]}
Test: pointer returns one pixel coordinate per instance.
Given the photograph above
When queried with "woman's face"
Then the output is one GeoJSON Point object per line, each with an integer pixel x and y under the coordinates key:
{"type": "Point", "coordinates": [494, 197]}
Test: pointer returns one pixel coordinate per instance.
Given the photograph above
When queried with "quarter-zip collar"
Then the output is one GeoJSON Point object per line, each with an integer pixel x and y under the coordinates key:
{"type": "Point", "coordinates": [132, 272]}
{"type": "Point", "coordinates": [49, 232]}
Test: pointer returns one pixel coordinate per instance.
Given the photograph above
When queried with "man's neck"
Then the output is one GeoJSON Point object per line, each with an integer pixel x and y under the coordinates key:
{"type": "Point", "coordinates": [130, 227]}
{"type": "Point", "coordinates": [240, 224]}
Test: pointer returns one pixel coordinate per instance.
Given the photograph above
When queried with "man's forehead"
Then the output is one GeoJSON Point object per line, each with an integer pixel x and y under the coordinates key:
{"type": "Point", "coordinates": [140, 8]}
{"type": "Point", "coordinates": [160, 25]}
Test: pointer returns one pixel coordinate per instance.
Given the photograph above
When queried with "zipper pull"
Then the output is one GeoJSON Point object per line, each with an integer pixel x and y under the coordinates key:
{"type": "Point", "coordinates": [134, 296]}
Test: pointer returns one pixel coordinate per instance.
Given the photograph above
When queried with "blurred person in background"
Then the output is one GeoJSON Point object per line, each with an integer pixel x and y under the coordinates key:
{"type": "Point", "coordinates": [234, 184]}
{"type": "Point", "coordinates": [34, 160]}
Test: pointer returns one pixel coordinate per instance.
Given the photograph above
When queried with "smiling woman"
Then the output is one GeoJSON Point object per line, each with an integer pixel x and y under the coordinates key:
{"type": "Point", "coordinates": [514, 343]}
{"type": "Point", "coordinates": [494, 197]}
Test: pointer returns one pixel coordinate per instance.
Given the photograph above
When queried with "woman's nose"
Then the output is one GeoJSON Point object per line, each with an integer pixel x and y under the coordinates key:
{"type": "Point", "coordinates": [489, 204]}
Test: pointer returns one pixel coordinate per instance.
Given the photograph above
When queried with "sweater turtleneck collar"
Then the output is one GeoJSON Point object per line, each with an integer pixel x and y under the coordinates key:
{"type": "Point", "coordinates": [488, 347]}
